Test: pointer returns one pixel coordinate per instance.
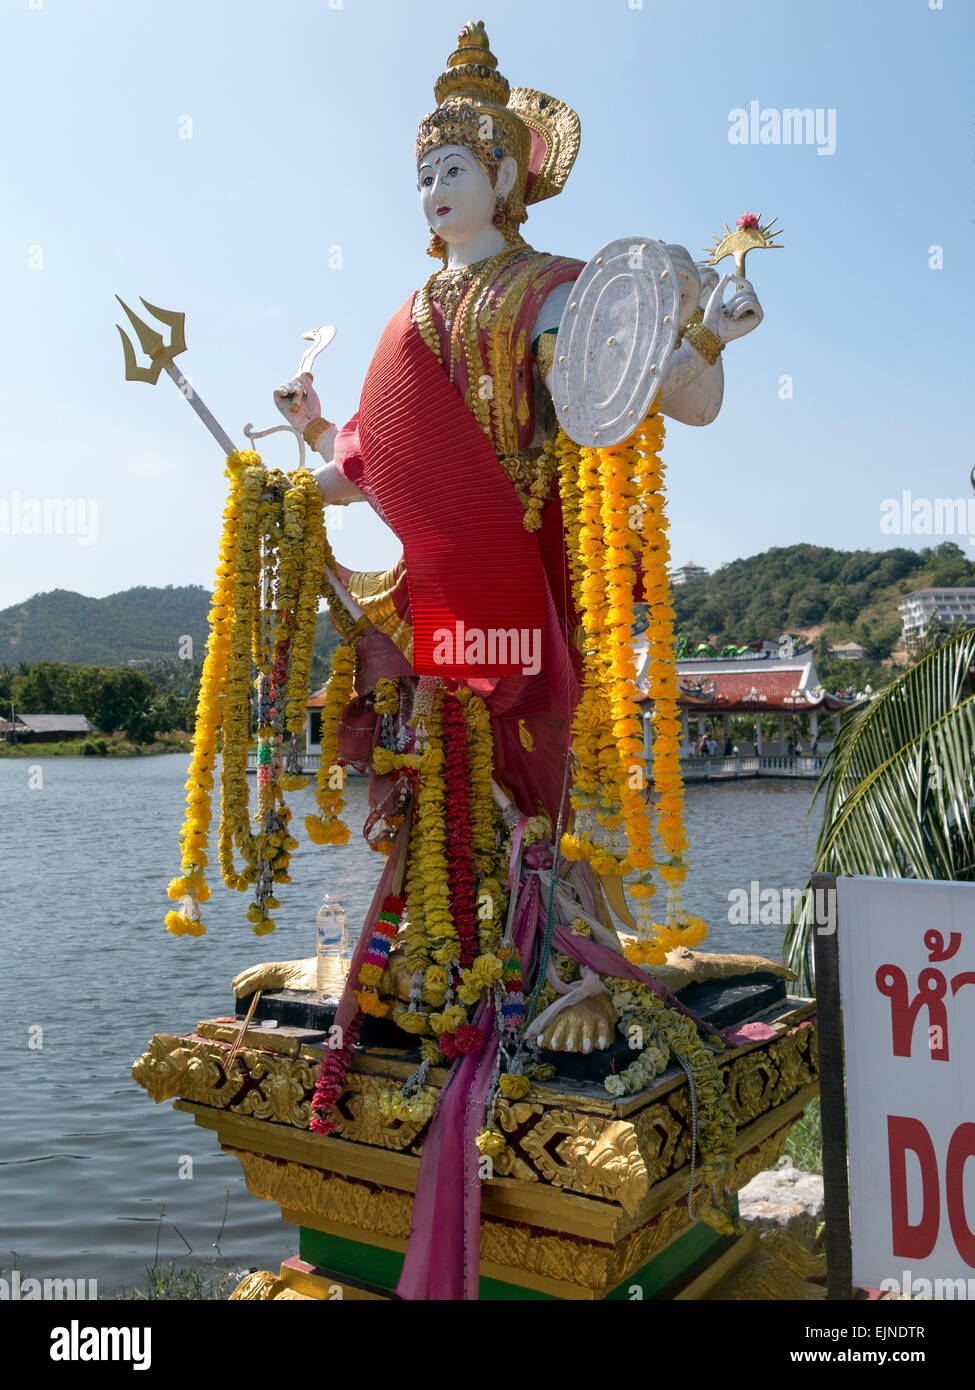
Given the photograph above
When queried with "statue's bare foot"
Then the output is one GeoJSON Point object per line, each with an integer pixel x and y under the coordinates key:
{"type": "Point", "coordinates": [582, 1027]}
{"type": "Point", "coordinates": [276, 974]}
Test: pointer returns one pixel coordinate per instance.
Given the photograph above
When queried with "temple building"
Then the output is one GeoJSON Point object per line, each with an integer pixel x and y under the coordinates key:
{"type": "Point", "coordinates": [779, 682]}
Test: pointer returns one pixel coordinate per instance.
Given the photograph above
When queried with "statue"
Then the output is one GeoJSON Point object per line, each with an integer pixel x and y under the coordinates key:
{"type": "Point", "coordinates": [484, 941]}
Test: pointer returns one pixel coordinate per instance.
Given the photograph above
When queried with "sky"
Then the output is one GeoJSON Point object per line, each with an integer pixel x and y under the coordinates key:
{"type": "Point", "coordinates": [250, 162]}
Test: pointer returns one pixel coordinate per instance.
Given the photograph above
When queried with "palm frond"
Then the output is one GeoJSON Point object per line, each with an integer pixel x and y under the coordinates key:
{"type": "Point", "coordinates": [898, 785]}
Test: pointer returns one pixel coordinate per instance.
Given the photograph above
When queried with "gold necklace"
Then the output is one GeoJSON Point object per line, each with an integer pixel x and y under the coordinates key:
{"type": "Point", "coordinates": [457, 285]}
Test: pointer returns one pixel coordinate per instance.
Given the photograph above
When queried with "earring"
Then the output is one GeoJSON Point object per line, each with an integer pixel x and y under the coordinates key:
{"type": "Point", "coordinates": [500, 212]}
{"type": "Point", "coordinates": [436, 247]}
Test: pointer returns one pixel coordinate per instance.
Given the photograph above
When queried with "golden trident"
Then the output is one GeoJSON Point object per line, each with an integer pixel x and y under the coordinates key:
{"type": "Point", "coordinates": [749, 235]}
{"type": "Point", "coordinates": [161, 354]}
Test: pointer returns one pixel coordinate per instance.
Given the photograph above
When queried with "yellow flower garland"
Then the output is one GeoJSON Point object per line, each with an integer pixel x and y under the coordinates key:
{"type": "Point", "coordinates": [264, 608]}
{"type": "Point", "coordinates": [327, 828]}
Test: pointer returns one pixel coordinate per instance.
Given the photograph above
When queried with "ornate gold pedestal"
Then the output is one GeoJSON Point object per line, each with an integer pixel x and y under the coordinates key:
{"type": "Point", "coordinates": [588, 1196]}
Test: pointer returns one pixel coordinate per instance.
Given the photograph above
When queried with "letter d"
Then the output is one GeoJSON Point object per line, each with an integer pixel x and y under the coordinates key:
{"type": "Point", "coordinates": [913, 1242]}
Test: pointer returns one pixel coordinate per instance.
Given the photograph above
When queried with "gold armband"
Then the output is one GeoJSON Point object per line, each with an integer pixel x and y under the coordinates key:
{"type": "Point", "coordinates": [314, 430]}
{"type": "Point", "coordinates": [708, 344]}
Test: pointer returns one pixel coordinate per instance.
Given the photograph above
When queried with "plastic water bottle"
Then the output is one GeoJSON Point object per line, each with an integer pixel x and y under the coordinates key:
{"type": "Point", "coordinates": [331, 947]}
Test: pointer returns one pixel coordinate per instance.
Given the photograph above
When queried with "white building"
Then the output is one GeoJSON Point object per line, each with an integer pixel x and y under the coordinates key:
{"type": "Point", "coordinates": [688, 572]}
{"type": "Point", "coordinates": [920, 608]}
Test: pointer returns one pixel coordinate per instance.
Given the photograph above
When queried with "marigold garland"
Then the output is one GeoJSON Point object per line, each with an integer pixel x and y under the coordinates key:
{"type": "Point", "coordinates": [328, 828]}
{"type": "Point", "coordinates": [616, 530]}
{"type": "Point", "coordinates": [263, 611]}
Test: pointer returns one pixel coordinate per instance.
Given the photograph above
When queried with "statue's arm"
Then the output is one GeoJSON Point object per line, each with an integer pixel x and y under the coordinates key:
{"type": "Point", "coordinates": [298, 402]}
{"type": "Point", "coordinates": [693, 386]}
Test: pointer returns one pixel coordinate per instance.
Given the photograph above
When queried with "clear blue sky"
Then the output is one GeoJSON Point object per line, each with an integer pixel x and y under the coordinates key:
{"type": "Point", "coordinates": [303, 120]}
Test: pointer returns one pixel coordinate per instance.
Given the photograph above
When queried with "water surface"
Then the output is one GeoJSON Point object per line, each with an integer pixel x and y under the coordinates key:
{"type": "Point", "coordinates": [89, 1167]}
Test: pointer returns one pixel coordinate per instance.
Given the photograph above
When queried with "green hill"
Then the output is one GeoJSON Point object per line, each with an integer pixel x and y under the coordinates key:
{"type": "Point", "coordinates": [142, 624]}
{"type": "Point", "coordinates": [818, 592]}
{"type": "Point", "coordinates": [831, 595]}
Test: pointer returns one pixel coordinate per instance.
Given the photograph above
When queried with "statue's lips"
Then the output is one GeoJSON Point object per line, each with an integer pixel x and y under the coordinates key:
{"type": "Point", "coordinates": [442, 212]}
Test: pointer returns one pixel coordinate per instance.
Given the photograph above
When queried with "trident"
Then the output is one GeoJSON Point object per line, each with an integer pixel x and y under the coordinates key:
{"type": "Point", "coordinates": [161, 355]}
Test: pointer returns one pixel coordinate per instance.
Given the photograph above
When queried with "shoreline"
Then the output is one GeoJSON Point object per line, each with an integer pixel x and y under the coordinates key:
{"type": "Point", "coordinates": [110, 747]}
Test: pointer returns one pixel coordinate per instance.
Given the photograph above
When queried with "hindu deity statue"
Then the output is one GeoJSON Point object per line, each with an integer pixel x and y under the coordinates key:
{"type": "Point", "coordinates": [486, 943]}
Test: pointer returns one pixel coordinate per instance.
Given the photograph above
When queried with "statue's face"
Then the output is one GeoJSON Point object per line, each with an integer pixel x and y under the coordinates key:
{"type": "Point", "coordinates": [456, 195]}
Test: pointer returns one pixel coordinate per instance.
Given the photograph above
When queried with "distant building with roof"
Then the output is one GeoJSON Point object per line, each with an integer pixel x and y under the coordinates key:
{"type": "Point", "coordinates": [848, 651]}
{"type": "Point", "coordinates": [781, 681]}
{"type": "Point", "coordinates": [922, 607]}
{"type": "Point", "coordinates": [46, 728]}
{"type": "Point", "coordinates": [688, 572]}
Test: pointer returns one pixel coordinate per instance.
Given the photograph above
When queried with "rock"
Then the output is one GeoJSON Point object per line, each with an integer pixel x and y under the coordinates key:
{"type": "Point", "coordinates": [784, 1199]}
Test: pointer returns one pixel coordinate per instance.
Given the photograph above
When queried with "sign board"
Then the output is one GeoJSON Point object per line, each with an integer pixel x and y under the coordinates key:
{"type": "Point", "coordinates": [907, 986]}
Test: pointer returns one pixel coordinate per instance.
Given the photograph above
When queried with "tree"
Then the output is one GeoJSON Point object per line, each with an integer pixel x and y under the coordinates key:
{"type": "Point", "coordinates": [899, 784]}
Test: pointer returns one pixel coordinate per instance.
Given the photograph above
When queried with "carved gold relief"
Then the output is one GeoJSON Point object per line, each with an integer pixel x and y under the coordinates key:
{"type": "Point", "coordinates": [358, 1117]}
{"type": "Point", "coordinates": [549, 1140]}
{"type": "Point", "coordinates": [385, 1212]}
{"type": "Point", "coordinates": [283, 1090]}
{"type": "Point", "coordinates": [585, 1154]}
{"type": "Point", "coordinates": [191, 1070]}
{"type": "Point", "coordinates": [261, 1284]}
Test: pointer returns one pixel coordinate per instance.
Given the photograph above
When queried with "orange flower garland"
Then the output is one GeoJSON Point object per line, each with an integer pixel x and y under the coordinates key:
{"type": "Point", "coordinates": [614, 521]}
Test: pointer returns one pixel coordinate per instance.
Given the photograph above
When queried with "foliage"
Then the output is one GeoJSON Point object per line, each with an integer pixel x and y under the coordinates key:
{"type": "Point", "coordinates": [804, 1146]}
{"type": "Point", "coordinates": [898, 784]}
{"type": "Point", "coordinates": [849, 593]}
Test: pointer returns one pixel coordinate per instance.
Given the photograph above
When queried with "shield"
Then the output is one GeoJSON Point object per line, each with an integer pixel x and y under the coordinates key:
{"type": "Point", "coordinates": [615, 340]}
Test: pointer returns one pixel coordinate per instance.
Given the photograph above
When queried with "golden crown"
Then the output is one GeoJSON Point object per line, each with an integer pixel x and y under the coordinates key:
{"type": "Point", "coordinates": [477, 109]}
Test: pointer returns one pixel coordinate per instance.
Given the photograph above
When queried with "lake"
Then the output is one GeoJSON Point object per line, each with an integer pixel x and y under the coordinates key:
{"type": "Point", "coordinates": [90, 1184]}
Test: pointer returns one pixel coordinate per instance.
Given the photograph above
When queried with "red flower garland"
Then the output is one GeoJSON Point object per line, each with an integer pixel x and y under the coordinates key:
{"type": "Point", "coordinates": [467, 1038]}
{"type": "Point", "coordinates": [460, 849]}
{"type": "Point", "coordinates": [331, 1079]}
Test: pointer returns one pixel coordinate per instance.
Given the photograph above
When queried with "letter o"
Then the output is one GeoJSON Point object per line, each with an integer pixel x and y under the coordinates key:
{"type": "Point", "coordinates": [960, 1150]}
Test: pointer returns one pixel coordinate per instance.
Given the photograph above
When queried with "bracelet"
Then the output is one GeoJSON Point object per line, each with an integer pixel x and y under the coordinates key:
{"type": "Point", "coordinates": [696, 317]}
{"type": "Point", "coordinates": [708, 344]}
{"type": "Point", "coordinates": [314, 430]}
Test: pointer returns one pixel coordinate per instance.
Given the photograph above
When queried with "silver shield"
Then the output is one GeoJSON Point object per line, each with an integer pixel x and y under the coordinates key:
{"type": "Point", "coordinates": [615, 340]}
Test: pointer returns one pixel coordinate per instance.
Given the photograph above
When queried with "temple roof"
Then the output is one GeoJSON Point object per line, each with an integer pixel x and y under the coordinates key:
{"type": "Point", "coordinates": [763, 681]}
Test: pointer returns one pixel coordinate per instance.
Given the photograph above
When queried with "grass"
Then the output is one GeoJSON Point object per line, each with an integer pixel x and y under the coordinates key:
{"type": "Point", "coordinates": [101, 746]}
{"type": "Point", "coordinates": [172, 1282]}
{"type": "Point", "coordinates": [804, 1146]}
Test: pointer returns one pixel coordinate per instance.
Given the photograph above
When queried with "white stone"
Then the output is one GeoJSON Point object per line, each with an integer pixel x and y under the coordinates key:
{"type": "Point", "coordinates": [784, 1199]}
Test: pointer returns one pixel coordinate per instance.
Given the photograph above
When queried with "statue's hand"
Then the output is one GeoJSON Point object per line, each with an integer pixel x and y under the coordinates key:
{"type": "Point", "coordinates": [298, 402]}
{"type": "Point", "coordinates": [739, 316]}
{"type": "Point", "coordinates": [582, 1027]}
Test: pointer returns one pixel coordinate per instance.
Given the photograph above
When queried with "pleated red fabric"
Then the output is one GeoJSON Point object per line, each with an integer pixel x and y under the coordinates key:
{"type": "Point", "coordinates": [476, 579]}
